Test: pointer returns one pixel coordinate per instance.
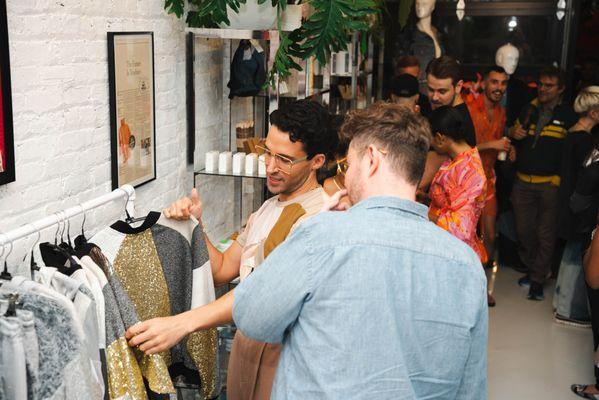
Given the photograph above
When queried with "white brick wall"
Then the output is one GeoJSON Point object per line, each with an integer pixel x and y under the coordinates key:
{"type": "Point", "coordinates": [58, 52]}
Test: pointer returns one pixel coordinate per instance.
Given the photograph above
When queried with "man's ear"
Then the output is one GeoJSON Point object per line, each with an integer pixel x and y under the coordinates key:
{"type": "Point", "coordinates": [374, 159]}
{"type": "Point", "coordinates": [440, 138]}
{"type": "Point", "coordinates": [318, 161]}
{"type": "Point", "coordinates": [561, 89]}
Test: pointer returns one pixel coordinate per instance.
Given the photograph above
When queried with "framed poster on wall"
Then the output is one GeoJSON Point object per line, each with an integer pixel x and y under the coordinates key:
{"type": "Point", "coordinates": [132, 107]}
{"type": "Point", "coordinates": [7, 155]}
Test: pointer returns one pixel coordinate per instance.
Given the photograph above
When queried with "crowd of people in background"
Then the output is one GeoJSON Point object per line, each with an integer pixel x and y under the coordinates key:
{"type": "Point", "coordinates": [548, 163]}
{"type": "Point", "coordinates": [548, 166]}
{"type": "Point", "coordinates": [460, 162]}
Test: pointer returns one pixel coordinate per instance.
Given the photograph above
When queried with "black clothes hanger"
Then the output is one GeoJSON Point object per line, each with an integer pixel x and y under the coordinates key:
{"type": "Point", "coordinates": [13, 302]}
{"type": "Point", "coordinates": [130, 219]}
{"type": "Point", "coordinates": [32, 264]}
{"type": "Point", "coordinates": [5, 275]}
{"type": "Point", "coordinates": [66, 245]}
{"type": "Point", "coordinates": [59, 258]}
{"type": "Point", "coordinates": [81, 240]}
{"type": "Point", "coordinates": [52, 254]}
{"type": "Point", "coordinates": [125, 226]}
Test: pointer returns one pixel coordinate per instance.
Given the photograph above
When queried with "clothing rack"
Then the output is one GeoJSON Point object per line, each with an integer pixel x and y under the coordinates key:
{"type": "Point", "coordinates": [126, 191]}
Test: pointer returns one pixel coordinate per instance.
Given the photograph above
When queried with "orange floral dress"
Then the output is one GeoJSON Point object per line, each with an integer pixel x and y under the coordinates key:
{"type": "Point", "coordinates": [458, 194]}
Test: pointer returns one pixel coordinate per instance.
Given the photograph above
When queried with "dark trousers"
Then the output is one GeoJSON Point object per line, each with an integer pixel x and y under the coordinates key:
{"type": "Point", "coordinates": [594, 305]}
{"type": "Point", "coordinates": [535, 208]}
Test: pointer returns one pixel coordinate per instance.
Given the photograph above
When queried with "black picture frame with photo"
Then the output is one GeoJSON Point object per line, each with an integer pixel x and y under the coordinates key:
{"type": "Point", "coordinates": [143, 147]}
{"type": "Point", "coordinates": [7, 147]}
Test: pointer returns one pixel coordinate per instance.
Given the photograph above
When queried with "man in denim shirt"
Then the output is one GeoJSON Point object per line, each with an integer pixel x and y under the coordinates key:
{"type": "Point", "coordinates": [372, 303]}
{"type": "Point", "coordinates": [381, 303]}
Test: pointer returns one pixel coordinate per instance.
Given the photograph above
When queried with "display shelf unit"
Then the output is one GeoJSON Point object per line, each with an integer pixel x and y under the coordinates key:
{"type": "Point", "coordinates": [306, 84]}
{"type": "Point", "coordinates": [365, 79]}
{"type": "Point", "coordinates": [229, 174]}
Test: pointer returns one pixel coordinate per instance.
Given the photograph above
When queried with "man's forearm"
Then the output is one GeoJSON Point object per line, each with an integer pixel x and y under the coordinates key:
{"type": "Point", "coordinates": [217, 313]}
{"type": "Point", "coordinates": [483, 146]}
{"type": "Point", "coordinates": [216, 257]}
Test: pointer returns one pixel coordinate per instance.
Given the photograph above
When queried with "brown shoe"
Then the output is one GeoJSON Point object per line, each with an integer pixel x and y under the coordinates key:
{"type": "Point", "coordinates": [490, 300]}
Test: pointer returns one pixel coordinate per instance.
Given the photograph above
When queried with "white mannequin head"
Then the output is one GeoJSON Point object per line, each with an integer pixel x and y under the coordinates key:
{"type": "Point", "coordinates": [507, 56]}
{"type": "Point", "coordinates": [424, 8]}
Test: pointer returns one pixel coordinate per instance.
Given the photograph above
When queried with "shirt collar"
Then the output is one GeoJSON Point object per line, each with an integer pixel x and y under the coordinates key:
{"type": "Point", "coordinates": [393, 202]}
{"type": "Point", "coordinates": [299, 199]}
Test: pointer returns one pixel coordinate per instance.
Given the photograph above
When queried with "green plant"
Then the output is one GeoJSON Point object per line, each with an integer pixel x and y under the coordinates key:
{"type": "Point", "coordinates": [326, 30]}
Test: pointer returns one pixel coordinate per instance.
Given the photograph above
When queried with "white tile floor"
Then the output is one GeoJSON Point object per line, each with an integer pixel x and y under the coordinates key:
{"type": "Point", "coordinates": [531, 357]}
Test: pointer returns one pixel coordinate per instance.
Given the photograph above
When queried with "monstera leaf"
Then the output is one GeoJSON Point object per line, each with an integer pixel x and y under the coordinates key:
{"type": "Point", "coordinates": [175, 7]}
{"type": "Point", "coordinates": [327, 30]}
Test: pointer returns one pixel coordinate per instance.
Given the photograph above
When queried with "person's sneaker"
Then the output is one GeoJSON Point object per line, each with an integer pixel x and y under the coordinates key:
{"type": "Point", "coordinates": [491, 300]}
{"type": "Point", "coordinates": [524, 281]}
{"type": "Point", "coordinates": [560, 319]}
{"type": "Point", "coordinates": [536, 292]}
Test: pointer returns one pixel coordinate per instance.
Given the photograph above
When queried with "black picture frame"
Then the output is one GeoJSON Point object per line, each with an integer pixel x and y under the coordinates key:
{"type": "Point", "coordinates": [117, 102]}
{"type": "Point", "coordinates": [190, 97]}
{"type": "Point", "coordinates": [7, 146]}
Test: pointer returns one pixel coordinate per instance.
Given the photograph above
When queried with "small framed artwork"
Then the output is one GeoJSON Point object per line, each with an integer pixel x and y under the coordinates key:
{"type": "Point", "coordinates": [132, 107]}
{"type": "Point", "coordinates": [7, 151]}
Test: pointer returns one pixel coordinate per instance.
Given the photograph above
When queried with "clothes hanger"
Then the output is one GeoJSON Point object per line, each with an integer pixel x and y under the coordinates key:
{"type": "Point", "coordinates": [13, 302]}
{"type": "Point", "coordinates": [5, 275]}
{"type": "Point", "coordinates": [83, 223]}
{"type": "Point", "coordinates": [53, 254]}
{"type": "Point", "coordinates": [130, 220]}
{"type": "Point", "coordinates": [57, 227]}
{"type": "Point", "coordinates": [32, 264]}
{"type": "Point", "coordinates": [80, 241]}
{"type": "Point", "coordinates": [67, 245]}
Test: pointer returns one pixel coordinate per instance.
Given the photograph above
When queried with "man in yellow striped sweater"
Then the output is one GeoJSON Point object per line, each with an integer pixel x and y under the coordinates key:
{"type": "Point", "coordinates": [539, 134]}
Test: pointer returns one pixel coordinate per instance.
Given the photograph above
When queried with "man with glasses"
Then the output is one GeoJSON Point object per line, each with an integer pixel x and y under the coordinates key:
{"type": "Point", "coordinates": [539, 134]}
{"type": "Point", "coordinates": [373, 303]}
{"type": "Point", "coordinates": [298, 139]}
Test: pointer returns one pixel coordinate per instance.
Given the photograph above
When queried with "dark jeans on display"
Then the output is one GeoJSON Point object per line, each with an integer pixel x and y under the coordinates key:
{"type": "Point", "coordinates": [535, 208]}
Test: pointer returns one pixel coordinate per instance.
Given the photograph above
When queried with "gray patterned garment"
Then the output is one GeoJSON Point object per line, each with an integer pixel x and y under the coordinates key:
{"type": "Point", "coordinates": [156, 270]}
{"type": "Point", "coordinates": [27, 323]}
{"type": "Point", "coordinates": [65, 371]}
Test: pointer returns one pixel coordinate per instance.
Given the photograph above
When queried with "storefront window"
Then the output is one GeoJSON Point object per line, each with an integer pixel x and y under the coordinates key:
{"type": "Point", "coordinates": [475, 39]}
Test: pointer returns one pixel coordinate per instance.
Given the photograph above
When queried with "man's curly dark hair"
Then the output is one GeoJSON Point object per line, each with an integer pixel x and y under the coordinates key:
{"type": "Point", "coordinates": [307, 122]}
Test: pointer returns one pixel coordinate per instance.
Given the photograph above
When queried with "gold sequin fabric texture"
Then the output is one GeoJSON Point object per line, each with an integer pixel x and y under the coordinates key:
{"type": "Point", "coordinates": [202, 347]}
{"type": "Point", "coordinates": [125, 377]}
{"type": "Point", "coordinates": [140, 271]}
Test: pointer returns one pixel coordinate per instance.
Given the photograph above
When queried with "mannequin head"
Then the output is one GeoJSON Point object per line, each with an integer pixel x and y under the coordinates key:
{"type": "Point", "coordinates": [424, 8]}
{"type": "Point", "coordinates": [507, 56]}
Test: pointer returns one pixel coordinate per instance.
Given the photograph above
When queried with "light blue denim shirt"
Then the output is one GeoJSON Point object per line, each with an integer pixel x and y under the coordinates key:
{"type": "Point", "coordinates": [373, 303]}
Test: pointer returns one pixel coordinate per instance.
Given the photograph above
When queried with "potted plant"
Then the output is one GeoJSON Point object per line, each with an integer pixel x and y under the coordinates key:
{"type": "Point", "coordinates": [326, 30]}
